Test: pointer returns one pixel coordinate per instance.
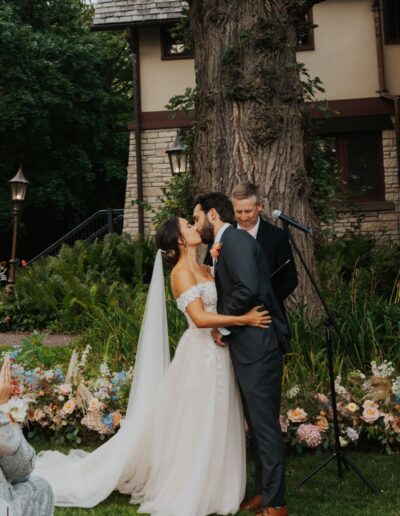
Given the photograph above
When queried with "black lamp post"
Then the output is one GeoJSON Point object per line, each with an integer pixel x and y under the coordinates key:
{"type": "Point", "coordinates": [18, 186]}
{"type": "Point", "coordinates": [178, 156]}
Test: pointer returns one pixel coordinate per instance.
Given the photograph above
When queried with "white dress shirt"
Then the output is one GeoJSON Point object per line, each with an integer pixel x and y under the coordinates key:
{"type": "Point", "coordinates": [252, 231]}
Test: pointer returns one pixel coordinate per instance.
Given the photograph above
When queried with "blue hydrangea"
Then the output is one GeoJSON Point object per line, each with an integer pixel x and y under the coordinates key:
{"type": "Point", "coordinates": [58, 374]}
{"type": "Point", "coordinates": [108, 421]}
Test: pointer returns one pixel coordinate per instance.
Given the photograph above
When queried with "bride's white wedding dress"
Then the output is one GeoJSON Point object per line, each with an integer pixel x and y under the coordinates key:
{"type": "Point", "coordinates": [181, 450]}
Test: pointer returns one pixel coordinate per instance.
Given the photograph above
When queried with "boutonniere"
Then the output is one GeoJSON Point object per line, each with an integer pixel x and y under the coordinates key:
{"type": "Point", "coordinates": [215, 250]}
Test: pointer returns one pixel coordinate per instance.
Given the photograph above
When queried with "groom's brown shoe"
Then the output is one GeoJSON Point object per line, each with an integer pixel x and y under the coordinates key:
{"type": "Point", "coordinates": [271, 511]}
{"type": "Point", "coordinates": [253, 504]}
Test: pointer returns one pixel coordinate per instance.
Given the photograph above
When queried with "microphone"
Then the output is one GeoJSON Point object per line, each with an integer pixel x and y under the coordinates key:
{"type": "Point", "coordinates": [277, 214]}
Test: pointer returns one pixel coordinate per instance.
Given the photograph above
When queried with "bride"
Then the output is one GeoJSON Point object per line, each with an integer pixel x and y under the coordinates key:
{"type": "Point", "coordinates": [180, 450]}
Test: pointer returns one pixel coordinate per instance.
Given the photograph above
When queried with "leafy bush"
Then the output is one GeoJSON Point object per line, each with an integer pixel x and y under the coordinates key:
{"type": "Point", "coordinates": [56, 292]}
{"type": "Point", "coordinates": [360, 282]}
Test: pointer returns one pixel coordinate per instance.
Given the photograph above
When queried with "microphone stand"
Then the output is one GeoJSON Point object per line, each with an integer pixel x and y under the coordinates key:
{"type": "Point", "coordinates": [330, 322]}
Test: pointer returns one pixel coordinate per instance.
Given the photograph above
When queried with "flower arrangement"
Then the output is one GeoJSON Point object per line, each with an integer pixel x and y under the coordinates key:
{"type": "Point", "coordinates": [73, 407]}
{"type": "Point", "coordinates": [368, 409]}
{"type": "Point", "coordinates": [68, 405]}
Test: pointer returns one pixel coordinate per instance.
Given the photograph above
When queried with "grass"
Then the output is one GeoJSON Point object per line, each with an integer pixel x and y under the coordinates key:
{"type": "Point", "coordinates": [323, 495]}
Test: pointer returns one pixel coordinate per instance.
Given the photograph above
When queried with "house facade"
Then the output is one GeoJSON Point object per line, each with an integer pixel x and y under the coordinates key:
{"type": "Point", "coordinates": [354, 48]}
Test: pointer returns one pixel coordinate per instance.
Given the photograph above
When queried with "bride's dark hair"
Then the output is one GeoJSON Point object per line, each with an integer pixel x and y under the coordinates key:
{"type": "Point", "coordinates": [167, 237]}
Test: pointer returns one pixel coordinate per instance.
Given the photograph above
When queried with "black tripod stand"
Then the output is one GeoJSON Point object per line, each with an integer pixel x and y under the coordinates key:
{"type": "Point", "coordinates": [341, 459]}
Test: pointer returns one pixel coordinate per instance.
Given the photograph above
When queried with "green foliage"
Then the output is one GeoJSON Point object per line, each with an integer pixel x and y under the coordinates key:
{"type": "Point", "coordinates": [361, 283]}
{"type": "Point", "coordinates": [177, 198]}
{"type": "Point", "coordinates": [55, 293]}
{"type": "Point", "coordinates": [325, 180]}
{"type": "Point", "coordinates": [181, 30]}
{"type": "Point", "coordinates": [184, 102]}
{"type": "Point", "coordinates": [36, 354]}
{"type": "Point", "coordinates": [64, 103]}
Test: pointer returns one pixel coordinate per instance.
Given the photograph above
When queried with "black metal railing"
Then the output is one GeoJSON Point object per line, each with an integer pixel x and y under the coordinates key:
{"type": "Point", "coordinates": [95, 227]}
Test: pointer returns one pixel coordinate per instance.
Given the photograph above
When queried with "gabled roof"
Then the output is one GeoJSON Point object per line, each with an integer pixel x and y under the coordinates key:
{"type": "Point", "coordinates": [109, 13]}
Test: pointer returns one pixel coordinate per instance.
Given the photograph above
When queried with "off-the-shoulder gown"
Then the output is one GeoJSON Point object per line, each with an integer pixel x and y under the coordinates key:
{"type": "Point", "coordinates": [188, 458]}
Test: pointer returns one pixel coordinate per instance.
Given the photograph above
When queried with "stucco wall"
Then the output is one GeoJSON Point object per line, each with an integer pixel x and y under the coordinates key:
{"type": "Point", "coordinates": [344, 57]}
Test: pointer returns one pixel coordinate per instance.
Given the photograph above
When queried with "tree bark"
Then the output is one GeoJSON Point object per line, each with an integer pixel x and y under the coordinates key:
{"type": "Point", "coordinates": [250, 115]}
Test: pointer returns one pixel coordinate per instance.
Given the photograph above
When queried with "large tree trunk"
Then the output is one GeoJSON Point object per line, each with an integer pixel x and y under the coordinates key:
{"type": "Point", "coordinates": [250, 107]}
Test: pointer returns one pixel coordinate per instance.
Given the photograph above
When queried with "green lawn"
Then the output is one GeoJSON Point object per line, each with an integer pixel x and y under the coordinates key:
{"type": "Point", "coordinates": [323, 495]}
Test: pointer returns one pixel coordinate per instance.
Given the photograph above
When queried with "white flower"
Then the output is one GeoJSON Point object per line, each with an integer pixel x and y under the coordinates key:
{"type": "Point", "coordinates": [49, 374]}
{"type": "Point", "coordinates": [339, 388]}
{"type": "Point", "coordinates": [370, 404]}
{"type": "Point", "coordinates": [293, 392]}
{"type": "Point", "coordinates": [94, 405]}
{"type": "Point", "coordinates": [383, 370]}
{"type": "Point", "coordinates": [396, 386]}
{"type": "Point", "coordinates": [102, 394]}
{"type": "Point", "coordinates": [351, 434]}
{"type": "Point", "coordinates": [388, 420]}
{"type": "Point", "coordinates": [102, 383]}
{"type": "Point", "coordinates": [65, 388]}
{"type": "Point", "coordinates": [371, 414]}
{"type": "Point", "coordinates": [61, 398]}
{"type": "Point", "coordinates": [343, 442]}
{"type": "Point", "coordinates": [18, 408]}
{"type": "Point", "coordinates": [104, 370]}
{"type": "Point", "coordinates": [84, 356]}
{"type": "Point", "coordinates": [69, 407]}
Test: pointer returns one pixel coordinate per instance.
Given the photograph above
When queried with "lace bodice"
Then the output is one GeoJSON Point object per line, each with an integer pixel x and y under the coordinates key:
{"type": "Point", "coordinates": [206, 291]}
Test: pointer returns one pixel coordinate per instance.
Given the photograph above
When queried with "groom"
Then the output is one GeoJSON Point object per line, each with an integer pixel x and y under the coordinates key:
{"type": "Point", "coordinates": [243, 281]}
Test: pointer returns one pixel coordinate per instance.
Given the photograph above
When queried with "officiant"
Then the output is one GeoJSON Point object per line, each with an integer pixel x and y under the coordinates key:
{"type": "Point", "coordinates": [248, 206]}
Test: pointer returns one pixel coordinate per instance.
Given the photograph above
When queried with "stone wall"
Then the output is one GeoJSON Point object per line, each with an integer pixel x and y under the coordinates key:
{"type": "Point", "coordinates": [383, 223]}
{"type": "Point", "coordinates": [156, 172]}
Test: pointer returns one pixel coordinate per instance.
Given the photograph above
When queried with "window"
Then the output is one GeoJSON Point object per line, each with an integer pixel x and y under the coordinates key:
{"type": "Point", "coordinates": [171, 48]}
{"type": "Point", "coordinates": [305, 33]}
{"type": "Point", "coordinates": [361, 165]}
{"type": "Point", "coordinates": [391, 19]}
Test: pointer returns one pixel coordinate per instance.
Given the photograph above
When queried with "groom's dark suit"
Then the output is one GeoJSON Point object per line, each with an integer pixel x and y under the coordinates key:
{"type": "Point", "coordinates": [242, 283]}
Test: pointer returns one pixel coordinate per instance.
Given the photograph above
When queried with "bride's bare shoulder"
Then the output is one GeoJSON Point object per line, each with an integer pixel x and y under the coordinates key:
{"type": "Point", "coordinates": [206, 269]}
{"type": "Point", "coordinates": [182, 279]}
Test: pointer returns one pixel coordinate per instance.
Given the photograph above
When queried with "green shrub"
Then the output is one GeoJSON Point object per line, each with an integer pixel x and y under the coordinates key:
{"type": "Point", "coordinates": [361, 284]}
{"type": "Point", "coordinates": [55, 292]}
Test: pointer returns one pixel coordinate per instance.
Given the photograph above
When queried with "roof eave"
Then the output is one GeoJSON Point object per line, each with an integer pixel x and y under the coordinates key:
{"type": "Point", "coordinates": [124, 25]}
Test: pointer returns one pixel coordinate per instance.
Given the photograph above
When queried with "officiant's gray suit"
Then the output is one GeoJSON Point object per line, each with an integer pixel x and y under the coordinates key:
{"type": "Point", "coordinates": [257, 353]}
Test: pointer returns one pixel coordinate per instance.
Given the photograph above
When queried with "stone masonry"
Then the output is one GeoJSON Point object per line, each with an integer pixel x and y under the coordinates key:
{"type": "Point", "coordinates": [156, 172]}
{"type": "Point", "coordinates": [382, 224]}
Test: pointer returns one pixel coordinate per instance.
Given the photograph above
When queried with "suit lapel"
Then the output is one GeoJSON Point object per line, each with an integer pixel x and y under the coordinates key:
{"type": "Point", "coordinates": [230, 228]}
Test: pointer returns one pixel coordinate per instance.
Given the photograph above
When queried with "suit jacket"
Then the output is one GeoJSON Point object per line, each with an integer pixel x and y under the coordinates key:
{"type": "Point", "coordinates": [243, 281]}
{"type": "Point", "coordinates": [276, 246]}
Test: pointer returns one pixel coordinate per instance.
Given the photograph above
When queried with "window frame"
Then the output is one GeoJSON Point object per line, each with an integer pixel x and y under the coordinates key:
{"type": "Point", "coordinates": [342, 156]}
{"type": "Point", "coordinates": [388, 39]}
{"type": "Point", "coordinates": [167, 57]}
{"type": "Point", "coordinates": [311, 40]}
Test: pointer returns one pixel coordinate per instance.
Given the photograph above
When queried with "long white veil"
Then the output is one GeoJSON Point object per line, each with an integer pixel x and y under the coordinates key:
{"type": "Point", "coordinates": [82, 479]}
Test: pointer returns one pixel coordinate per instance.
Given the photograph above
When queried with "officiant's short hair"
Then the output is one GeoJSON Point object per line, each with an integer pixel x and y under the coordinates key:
{"type": "Point", "coordinates": [220, 202]}
{"type": "Point", "coordinates": [246, 190]}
